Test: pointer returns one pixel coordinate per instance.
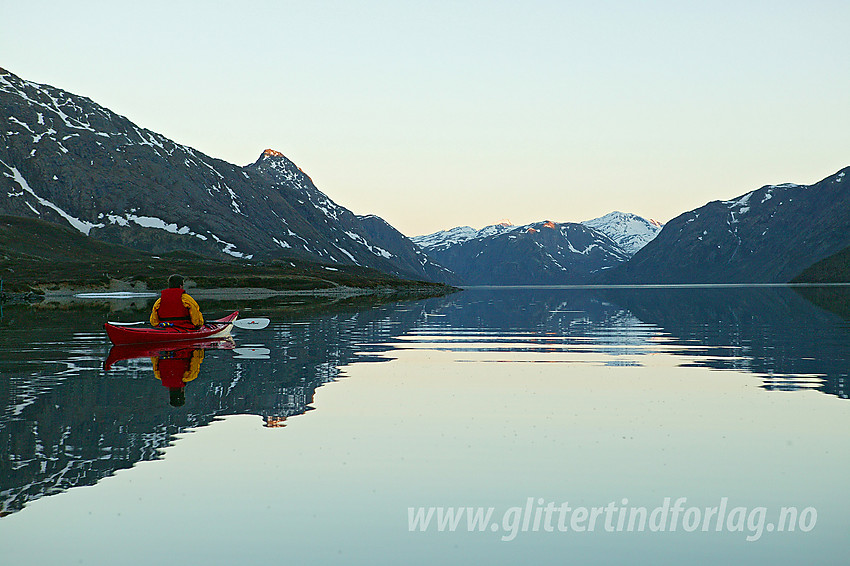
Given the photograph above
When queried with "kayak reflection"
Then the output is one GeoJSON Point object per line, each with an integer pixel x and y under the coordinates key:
{"type": "Point", "coordinates": [174, 364]}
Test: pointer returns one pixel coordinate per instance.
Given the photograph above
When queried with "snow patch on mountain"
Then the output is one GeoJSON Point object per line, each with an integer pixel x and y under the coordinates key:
{"type": "Point", "coordinates": [150, 222]}
{"type": "Point", "coordinates": [740, 201]}
{"type": "Point", "coordinates": [56, 105]}
{"type": "Point", "coordinates": [81, 225]}
{"type": "Point", "coordinates": [374, 249]}
{"type": "Point", "coordinates": [230, 249]}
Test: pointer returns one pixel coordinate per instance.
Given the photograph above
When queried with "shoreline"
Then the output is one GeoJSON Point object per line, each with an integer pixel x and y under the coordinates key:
{"type": "Point", "coordinates": [71, 294]}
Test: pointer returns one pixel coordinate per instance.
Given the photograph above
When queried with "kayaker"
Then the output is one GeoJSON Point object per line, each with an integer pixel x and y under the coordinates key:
{"type": "Point", "coordinates": [175, 307]}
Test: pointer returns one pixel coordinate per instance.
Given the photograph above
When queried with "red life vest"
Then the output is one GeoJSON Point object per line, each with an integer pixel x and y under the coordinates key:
{"type": "Point", "coordinates": [171, 307]}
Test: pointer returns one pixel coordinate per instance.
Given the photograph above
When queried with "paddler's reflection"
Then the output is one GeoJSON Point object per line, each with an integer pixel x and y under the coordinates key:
{"type": "Point", "coordinates": [176, 368]}
{"type": "Point", "coordinates": [174, 363]}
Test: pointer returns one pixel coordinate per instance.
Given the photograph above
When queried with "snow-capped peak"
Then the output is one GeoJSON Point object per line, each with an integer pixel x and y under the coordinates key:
{"type": "Point", "coordinates": [630, 231]}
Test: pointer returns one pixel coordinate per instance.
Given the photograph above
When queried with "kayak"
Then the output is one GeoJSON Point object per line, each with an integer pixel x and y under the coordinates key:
{"type": "Point", "coordinates": [159, 349]}
{"type": "Point", "coordinates": [126, 334]}
{"type": "Point", "coordinates": [129, 334]}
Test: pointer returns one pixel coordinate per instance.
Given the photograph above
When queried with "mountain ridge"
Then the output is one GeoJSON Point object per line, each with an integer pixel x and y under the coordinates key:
{"type": "Point", "coordinates": [630, 231]}
{"type": "Point", "coordinates": [768, 235]}
{"type": "Point", "coordinates": [68, 160]}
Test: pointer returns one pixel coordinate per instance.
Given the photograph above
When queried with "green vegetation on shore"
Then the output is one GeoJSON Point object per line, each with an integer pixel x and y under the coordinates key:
{"type": "Point", "coordinates": [37, 256]}
{"type": "Point", "coordinates": [832, 269]}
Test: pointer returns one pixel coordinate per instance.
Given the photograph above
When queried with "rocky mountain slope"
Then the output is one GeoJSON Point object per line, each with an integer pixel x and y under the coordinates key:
{"type": "Point", "coordinates": [68, 160]}
{"type": "Point", "coordinates": [768, 235]}
{"type": "Point", "coordinates": [407, 253]}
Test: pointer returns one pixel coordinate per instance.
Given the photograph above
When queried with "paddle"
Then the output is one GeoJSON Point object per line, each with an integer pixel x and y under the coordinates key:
{"type": "Point", "coordinates": [245, 323]}
{"type": "Point", "coordinates": [251, 323]}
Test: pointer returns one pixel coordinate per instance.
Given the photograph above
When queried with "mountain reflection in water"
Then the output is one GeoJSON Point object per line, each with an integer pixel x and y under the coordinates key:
{"type": "Point", "coordinates": [773, 332]}
{"type": "Point", "coordinates": [67, 422]}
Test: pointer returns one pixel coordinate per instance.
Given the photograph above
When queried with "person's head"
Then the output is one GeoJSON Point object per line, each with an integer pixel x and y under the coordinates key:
{"type": "Point", "coordinates": [175, 281]}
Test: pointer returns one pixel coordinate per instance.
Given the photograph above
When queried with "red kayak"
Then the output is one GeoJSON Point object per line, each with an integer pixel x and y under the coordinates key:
{"type": "Point", "coordinates": [130, 334]}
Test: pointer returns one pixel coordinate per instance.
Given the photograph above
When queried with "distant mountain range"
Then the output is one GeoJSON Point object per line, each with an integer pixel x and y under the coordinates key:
{"type": "Point", "coordinates": [775, 234]}
{"type": "Point", "coordinates": [68, 160]}
{"type": "Point", "coordinates": [544, 252]}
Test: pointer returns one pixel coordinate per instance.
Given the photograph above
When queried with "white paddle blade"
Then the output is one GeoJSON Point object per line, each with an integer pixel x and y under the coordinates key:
{"type": "Point", "coordinates": [251, 323]}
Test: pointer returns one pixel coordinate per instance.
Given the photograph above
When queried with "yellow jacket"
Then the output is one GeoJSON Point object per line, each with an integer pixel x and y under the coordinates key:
{"type": "Point", "coordinates": [189, 303]}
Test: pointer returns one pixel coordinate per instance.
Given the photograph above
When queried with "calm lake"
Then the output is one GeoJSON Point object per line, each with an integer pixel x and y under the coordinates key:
{"type": "Point", "coordinates": [491, 426]}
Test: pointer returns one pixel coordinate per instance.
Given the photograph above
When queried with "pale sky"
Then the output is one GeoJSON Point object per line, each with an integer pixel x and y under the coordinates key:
{"type": "Point", "coordinates": [437, 114]}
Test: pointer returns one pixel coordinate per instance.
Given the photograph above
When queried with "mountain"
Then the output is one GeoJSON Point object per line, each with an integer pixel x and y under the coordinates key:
{"type": "Point", "coordinates": [539, 253]}
{"type": "Point", "coordinates": [768, 235]}
{"type": "Point", "coordinates": [67, 160]}
{"type": "Point", "coordinates": [630, 231]}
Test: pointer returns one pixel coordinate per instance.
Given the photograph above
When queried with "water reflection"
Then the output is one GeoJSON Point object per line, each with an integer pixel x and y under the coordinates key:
{"type": "Point", "coordinates": [775, 333]}
{"type": "Point", "coordinates": [174, 364]}
{"type": "Point", "coordinates": [67, 421]}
